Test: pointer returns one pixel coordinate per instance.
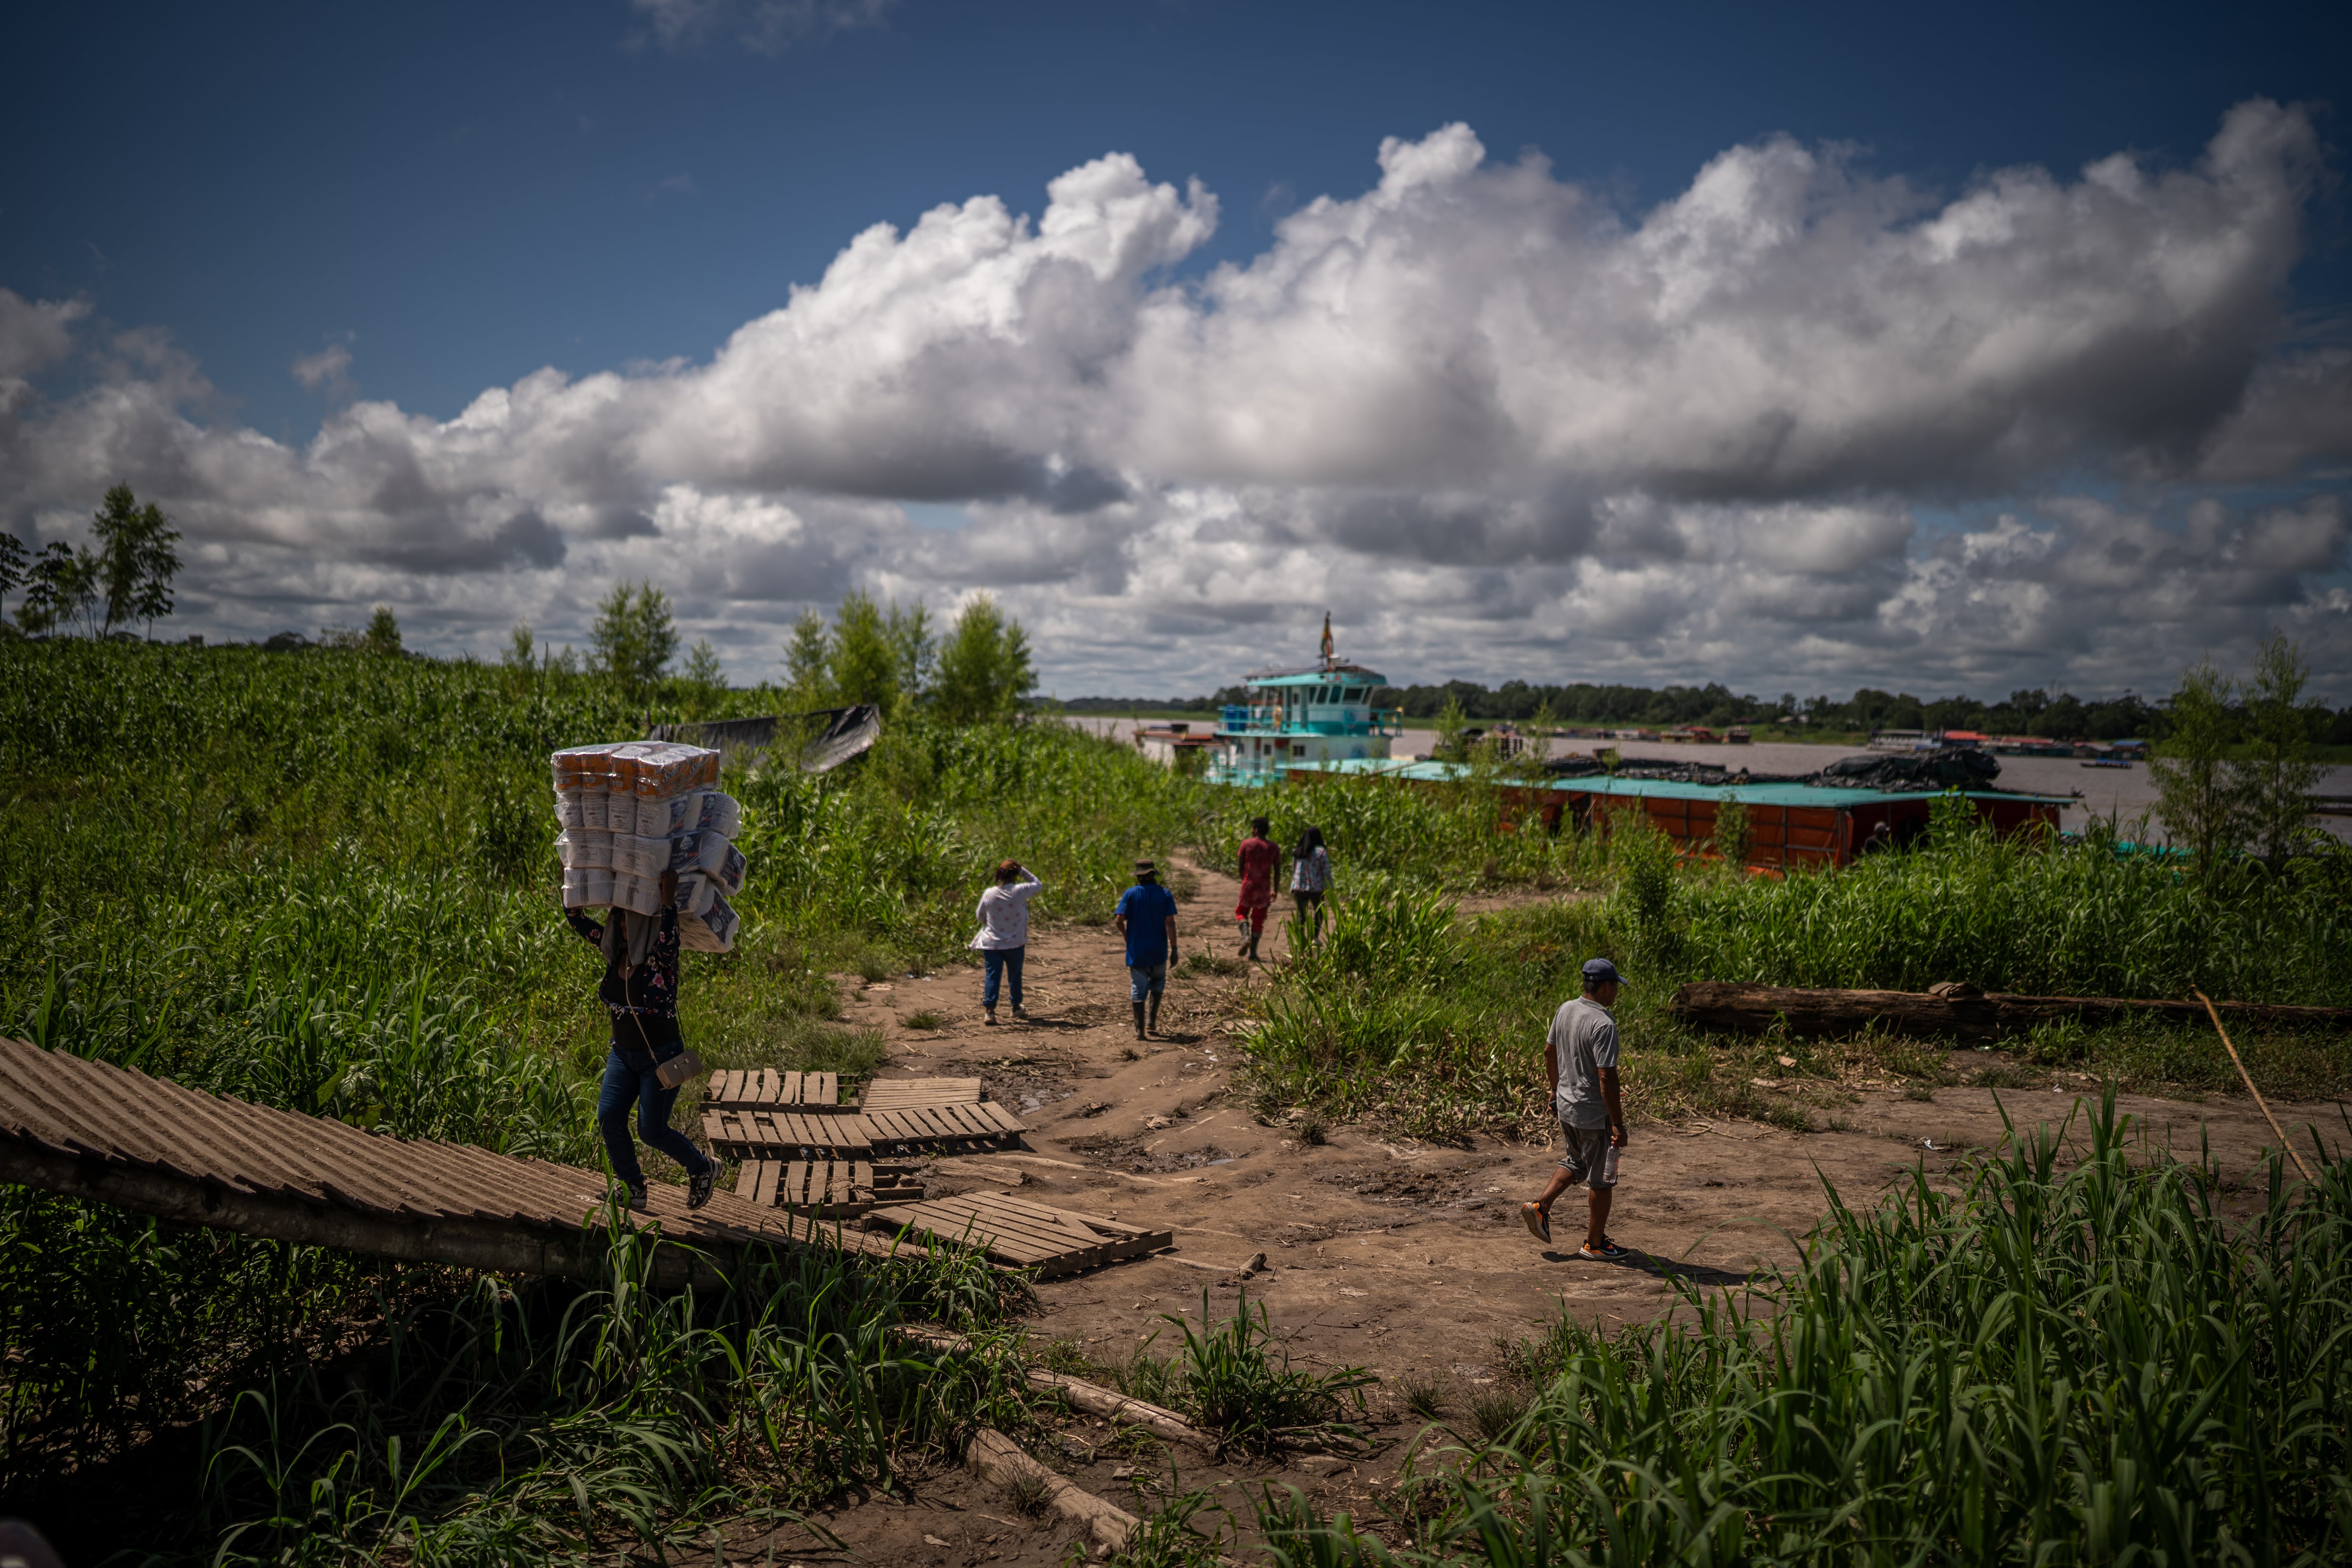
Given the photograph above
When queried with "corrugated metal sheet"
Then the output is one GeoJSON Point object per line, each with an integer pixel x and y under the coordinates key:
{"type": "Point", "coordinates": [94, 1131]}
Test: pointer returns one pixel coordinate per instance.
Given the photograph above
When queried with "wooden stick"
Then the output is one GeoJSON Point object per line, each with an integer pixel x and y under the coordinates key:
{"type": "Point", "coordinates": [999, 1458]}
{"type": "Point", "coordinates": [2257, 1093]}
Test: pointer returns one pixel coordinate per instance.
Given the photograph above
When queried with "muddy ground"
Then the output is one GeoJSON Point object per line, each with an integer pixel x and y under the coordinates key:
{"type": "Point", "coordinates": [1406, 1258]}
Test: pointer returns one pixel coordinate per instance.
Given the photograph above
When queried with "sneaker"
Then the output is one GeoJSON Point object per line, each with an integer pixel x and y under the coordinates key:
{"type": "Point", "coordinates": [989, 1017]}
{"type": "Point", "coordinates": [1018, 1016]}
{"type": "Point", "coordinates": [629, 1195]}
{"type": "Point", "coordinates": [1538, 1222]}
{"type": "Point", "coordinates": [698, 1187]}
{"type": "Point", "coordinates": [1607, 1252]}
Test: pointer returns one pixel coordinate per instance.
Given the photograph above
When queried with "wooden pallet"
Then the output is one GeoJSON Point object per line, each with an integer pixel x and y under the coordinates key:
{"type": "Point", "coordinates": [896, 1184]}
{"type": "Point", "coordinates": [945, 1128]}
{"type": "Point", "coordinates": [787, 1135]}
{"type": "Point", "coordinates": [900, 1093]}
{"type": "Point", "coordinates": [824, 1189]}
{"type": "Point", "coordinates": [763, 1088]}
{"type": "Point", "coordinates": [1017, 1234]}
{"type": "Point", "coordinates": [835, 1189]}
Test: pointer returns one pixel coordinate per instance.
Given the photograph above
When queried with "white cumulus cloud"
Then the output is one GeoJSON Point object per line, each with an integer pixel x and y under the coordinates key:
{"type": "Point", "coordinates": [1496, 423]}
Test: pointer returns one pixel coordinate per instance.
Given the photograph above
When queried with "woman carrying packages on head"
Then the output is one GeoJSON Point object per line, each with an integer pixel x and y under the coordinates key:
{"type": "Point", "coordinates": [640, 991]}
{"type": "Point", "coordinates": [1311, 880]}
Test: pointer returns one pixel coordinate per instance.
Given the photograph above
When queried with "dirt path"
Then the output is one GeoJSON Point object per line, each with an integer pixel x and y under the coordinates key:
{"type": "Point", "coordinates": [1404, 1257]}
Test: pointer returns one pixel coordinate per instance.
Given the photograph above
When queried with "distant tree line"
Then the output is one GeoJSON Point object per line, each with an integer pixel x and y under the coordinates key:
{"type": "Point", "coordinates": [2061, 717]}
{"type": "Point", "coordinates": [891, 655]}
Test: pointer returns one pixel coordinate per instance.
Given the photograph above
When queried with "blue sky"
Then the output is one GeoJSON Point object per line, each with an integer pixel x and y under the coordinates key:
{"type": "Point", "coordinates": [331, 209]}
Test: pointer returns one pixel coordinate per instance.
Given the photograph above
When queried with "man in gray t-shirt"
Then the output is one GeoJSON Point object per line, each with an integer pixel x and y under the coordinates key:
{"type": "Point", "coordinates": [1580, 1061]}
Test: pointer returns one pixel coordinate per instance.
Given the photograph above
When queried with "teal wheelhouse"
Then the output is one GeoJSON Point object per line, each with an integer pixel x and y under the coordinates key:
{"type": "Point", "coordinates": [1321, 714]}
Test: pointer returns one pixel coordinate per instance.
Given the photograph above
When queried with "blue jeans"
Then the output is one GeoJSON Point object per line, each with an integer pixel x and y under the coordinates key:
{"type": "Point", "coordinates": [1000, 962]}
{"type": "Point", "coordinates": [626, 1081]}
{"type": "Point", "coordinates": [1143, 977]}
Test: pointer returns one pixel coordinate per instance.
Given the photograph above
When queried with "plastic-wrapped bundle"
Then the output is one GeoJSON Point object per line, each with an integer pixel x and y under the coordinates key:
{"type": "Point", "coordinates": [712, 931]}
{"type": "Point", "coordinates": [695, 892]}
{"type": "Point", "coordinates": [608, 797]}
{"type": "Point", "coordinates": [643, 856]}
{"type": "Point", "coordinates": [639, 895]}
{"type": "Point", "coordinates": [585, 777]}
{"type": "Point", "coordinates": [658, 770]}
{"type": "Point", "coordinates": [587, 888]}
{"type": "Point", "coordinates": [602, 786]}
{"type": "Point", "coordinates": [585, 848]}
{"type": "Point", "coordinates": [575, 766]}
{"type": "Point", "coordinates": [703, 811]}
{"type": "Point", "coordinates": [723, 863]}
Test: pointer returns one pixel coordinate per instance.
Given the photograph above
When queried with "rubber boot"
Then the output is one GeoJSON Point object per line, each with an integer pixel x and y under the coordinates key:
{"type": "Point", "coordinates": [1253, 947]}
{"type": "Point", "coordinates": [1153, 1027]}
{"type": "Point", "coordinates": [1138, 1021]}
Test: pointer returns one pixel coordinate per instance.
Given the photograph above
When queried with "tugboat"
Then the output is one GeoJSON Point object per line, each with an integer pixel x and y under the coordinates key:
{"type": "Point", "coordinates": [1321, 714]}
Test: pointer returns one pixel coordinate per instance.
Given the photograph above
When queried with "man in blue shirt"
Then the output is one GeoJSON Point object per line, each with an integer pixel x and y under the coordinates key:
{"type": "Point", "coordinates": [1147, 917]}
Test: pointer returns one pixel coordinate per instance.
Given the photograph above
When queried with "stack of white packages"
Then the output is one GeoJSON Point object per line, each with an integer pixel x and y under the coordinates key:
{"type": "Point", "coordinates": [633, 810]}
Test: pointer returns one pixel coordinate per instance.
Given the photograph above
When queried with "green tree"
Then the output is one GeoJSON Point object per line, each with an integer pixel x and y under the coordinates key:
{"type": "Point", "coordinates": [634, 636]}
{"type": "Point", "coordinates": [1733, 836]}
{"type": "Point", "coordinates": [135, 561]}
{"type": "Point", "coordinates": [382, 634]}
{"type": "Point", "coordinates": [913, 644]}
{"type": "Point", "coordinates": [1537, 751]}
{"type": "Point", "coordinates": [703, 669]}
{"type": "Point", "coordinates": [12, 567]}
{"type": "Point", "coordinates": [2200, 798]}
{"type": "Point", "coordinates": [984, 668]}
{"type": "Point", "coordinates": [806, 658]}
{"type": "Point", "coordinates": [862, 661]}
{"type": "Point", "coordinates": [519, 646]}
{"type": "Point", "coordinates": [2278, 777]}
{"type": "Point", "coordinates": [159, 563]}
{"type": "Point", "coordinates": [1451, 721]}
{"type": "Point", "coordinates": [61, 585]}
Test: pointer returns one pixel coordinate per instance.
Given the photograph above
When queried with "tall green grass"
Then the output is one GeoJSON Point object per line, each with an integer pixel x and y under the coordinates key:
{"type": "Point", "coordinates": [2016, 914]}
{"type": "Point", "coordinates": [507, 1424]}
{"type": "Point", "coordinates": [2092, 1361]}
{"type": "Point", "coordinates": [324, 881]}
{"type": "Point", "coordinates": [1409, 1012]}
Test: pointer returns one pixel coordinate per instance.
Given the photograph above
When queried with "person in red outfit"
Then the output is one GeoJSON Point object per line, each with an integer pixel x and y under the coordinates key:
{"type": "Point", "coordinates": [1260, 856]}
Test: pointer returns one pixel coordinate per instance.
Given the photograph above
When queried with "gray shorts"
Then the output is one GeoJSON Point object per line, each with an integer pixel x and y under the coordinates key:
{"type": "Point", "coordinates": [1585, 1156]}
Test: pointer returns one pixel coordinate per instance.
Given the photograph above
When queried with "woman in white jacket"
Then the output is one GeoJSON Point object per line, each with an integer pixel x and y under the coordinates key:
{"type": "Point", "coordinates": [1003, 939]}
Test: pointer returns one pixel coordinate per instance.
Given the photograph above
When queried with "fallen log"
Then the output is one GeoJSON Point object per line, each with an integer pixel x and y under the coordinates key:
{"type": "Point", "coordinates": [997, 1458]}
{"type": "Point", "coordinates": [1954, 1010]}
{"type": "Point", "coordinates": [1095, 1400]}
{"type": "Point", "coordinates": [1091, 1397]}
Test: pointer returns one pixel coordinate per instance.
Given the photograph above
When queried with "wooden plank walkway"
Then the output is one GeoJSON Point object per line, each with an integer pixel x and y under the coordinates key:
{"type": "Point", "coordinates": [1016, 1233]}
{"type": "Point", "coordinates": [745, 1134]}
{"type": "Point", "coordinates": [948, 1129]}
{"type": "Point", "coordinates": [900, 1093]}
{"type": "Point", "coordinates": [766, 1088]}
{"type": "Point", "coordinates": [827, 1189]}
{"type": "Point", "coordinates": [781, 1134]}
{"type": "Point", "coordinates": [89, 1130]}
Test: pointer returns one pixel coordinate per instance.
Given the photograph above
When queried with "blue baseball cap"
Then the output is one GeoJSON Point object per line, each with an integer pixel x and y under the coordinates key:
{"type": "Point", "coordinates": [1600, 972]}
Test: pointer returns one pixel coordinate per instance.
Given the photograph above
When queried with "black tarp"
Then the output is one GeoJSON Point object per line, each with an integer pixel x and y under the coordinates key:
{"type": "Point", "coordinates": [1948, 767]}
